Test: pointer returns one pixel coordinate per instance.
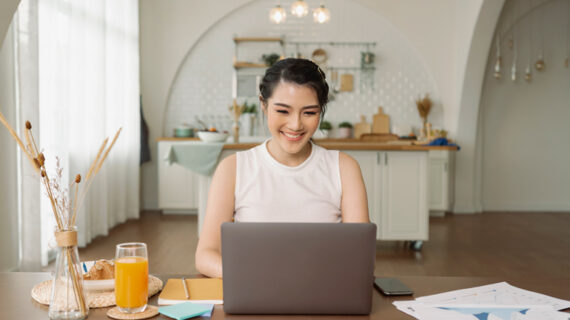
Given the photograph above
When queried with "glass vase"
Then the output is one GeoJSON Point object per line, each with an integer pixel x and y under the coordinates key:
{"type": "Point", "coordinates": [68, 299]}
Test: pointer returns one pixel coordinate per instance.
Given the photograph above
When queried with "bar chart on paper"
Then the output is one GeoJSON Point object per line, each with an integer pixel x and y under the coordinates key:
{"type": "Point", "coordinates": [499, 301]}
{"type": "Point", "coordinates": [495, 294]}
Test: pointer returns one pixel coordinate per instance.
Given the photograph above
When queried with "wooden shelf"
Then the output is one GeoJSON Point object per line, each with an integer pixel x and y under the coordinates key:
{"type": "Point", "coordinates": [253, 39]}
{"type": "Point", "coordinates": [243, 64]}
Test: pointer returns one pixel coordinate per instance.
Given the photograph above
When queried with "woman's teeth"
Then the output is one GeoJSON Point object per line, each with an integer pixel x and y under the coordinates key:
{"type": "Point", "coordinates": [291, 135]}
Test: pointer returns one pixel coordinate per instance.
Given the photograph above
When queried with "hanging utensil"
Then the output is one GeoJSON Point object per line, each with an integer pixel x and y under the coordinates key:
{"type": "Point", "coordinates": [514, 65]}
{"type": "Point", "coordinates": [499, 60]}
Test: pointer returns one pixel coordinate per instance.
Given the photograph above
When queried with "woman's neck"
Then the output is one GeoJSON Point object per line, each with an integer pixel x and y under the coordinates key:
{"type": "Point", "coordinates": [289, 159]}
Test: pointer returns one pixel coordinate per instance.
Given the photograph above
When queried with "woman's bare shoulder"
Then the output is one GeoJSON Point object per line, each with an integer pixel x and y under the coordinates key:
{"type": "Point", "coordinates": [347, 162]}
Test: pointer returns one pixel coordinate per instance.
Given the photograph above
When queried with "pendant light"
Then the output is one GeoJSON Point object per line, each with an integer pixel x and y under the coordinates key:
{"type": "Point", "coordinates": [299, 8]}
{"type": "Point", "coordinates": [321, 14]}
{"type": "Point", "coordinates": [277, 14]}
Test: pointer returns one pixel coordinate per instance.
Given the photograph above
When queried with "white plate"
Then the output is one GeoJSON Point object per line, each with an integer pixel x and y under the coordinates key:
{"type": "Point", "coordinates": [99, 285]}
{"type": "Point", "coordinates": [96, 285]}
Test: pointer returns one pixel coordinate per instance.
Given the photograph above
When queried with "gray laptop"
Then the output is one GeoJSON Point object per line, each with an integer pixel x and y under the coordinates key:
{"type": "Point", "coordinates": [298, 268]}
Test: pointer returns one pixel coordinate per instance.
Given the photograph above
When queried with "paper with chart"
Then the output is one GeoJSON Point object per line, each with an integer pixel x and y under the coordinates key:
{"type": "Point", "coordinates": [479, 312]}
{"type": "Point", "coordinates": [499, 301]}
{"type": "Point", "coordinates": [500, 293]}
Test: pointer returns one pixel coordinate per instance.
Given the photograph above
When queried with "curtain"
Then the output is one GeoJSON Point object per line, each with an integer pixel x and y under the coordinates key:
{"type": "Point", "coordinates": [88, 88]}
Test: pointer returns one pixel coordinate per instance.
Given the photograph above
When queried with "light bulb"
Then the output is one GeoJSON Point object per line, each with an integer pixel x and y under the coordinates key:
{"type": "Point", "coordinates": [277, 14]}
{"type": "Point", "coordinates": [321, 14]}
{"type": "Point", "coordinates": [299, 9]}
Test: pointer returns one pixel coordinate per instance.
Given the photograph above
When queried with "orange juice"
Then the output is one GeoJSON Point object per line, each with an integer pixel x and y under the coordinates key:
{"type": "Point", "coordinates": [131, 282]}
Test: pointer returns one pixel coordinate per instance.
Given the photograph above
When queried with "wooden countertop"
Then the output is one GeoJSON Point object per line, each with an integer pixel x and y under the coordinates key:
{"type": "Point", "coordinates": [16, 303]}
{"type": "Point", "coordinates": [337, 144]}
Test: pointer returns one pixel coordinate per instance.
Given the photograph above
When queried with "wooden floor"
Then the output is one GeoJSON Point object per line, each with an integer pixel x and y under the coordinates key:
{"type": "Point", "coordinates": [490, 244]}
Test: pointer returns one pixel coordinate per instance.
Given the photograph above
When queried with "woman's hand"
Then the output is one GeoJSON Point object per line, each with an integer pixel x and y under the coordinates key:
{"type": "Point", "coordinates": [353, 203]}
{"type": "Point", "coordinates": [220, 209]}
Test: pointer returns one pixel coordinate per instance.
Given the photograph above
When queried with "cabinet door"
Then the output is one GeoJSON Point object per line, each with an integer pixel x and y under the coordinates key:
{"type": "Point", "coordinates": [437, 184]}
{"type": "Point", "coordinates": [404, 196]}
{"type": "Point", "coordinates": [177, 186]}
{"type": "Point", "coordinates": [371, 171]}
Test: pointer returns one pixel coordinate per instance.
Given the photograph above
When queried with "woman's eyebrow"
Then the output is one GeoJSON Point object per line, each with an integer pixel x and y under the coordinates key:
{"type": "Point", "coordinates": [288, 106]}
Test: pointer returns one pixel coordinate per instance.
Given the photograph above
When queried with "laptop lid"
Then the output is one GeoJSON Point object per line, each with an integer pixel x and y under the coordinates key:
{"type": "Point", "coordinates": [298, 268]}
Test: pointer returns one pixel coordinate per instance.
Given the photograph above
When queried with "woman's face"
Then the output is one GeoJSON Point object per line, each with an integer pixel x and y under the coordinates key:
{"type": "Point", "coordinates": [293, 114]}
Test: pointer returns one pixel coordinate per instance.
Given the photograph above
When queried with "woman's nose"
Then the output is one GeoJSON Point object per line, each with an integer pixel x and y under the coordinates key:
{"type": "Point", "coordinates": [295, 122]}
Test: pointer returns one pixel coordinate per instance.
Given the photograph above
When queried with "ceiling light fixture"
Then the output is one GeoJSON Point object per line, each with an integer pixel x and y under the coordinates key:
{"type": "Point", "coordinates": [321, 14]}
{"type": "Point", "coordinates": [299, 8]}
{"type": "Point", "coordinates": [277, 14]}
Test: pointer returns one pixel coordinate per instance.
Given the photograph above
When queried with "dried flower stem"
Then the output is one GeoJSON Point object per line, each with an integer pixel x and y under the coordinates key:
{"type": "Point", "coordinates": [75, 277]}
{"type": "Point", "coordinates": [96, 169]}
{"type": "Point", "coordinates": [45, 180]}
{"type": "Point", "coordinates": [29, 144]}
{"type": "Point", "coordinates": [107, 151]}
{"type": "Point", "coordinates": [74, 214]}
{"type": "Point", "coordinates": [92, 167]}
{"type": "Point", "coordinates": [15, 136]}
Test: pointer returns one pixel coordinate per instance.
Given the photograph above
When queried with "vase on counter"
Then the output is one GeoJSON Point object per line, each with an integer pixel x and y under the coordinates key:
{"type": "Point", "coordinates": [68, 299]}
{"type": "Point", "coordinates": [247, 124]}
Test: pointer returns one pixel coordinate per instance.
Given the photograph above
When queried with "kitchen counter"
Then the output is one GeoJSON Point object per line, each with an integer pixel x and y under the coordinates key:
{"type": "Point", "coordinates": [337, 144]}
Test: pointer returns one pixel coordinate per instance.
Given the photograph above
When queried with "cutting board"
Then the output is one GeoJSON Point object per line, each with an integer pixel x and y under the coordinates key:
{"type": "Point", "coordinates": [361, 127]}
{"type": "Point", "coordinates": [346, 82]}
{"type": "Point", "coordinates": [380, 122]}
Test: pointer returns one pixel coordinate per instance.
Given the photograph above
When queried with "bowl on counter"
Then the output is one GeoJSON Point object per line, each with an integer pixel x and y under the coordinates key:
{"type": "Point", "coordinates": [212, 136]}
{"type": "Point", "coordinates": [183, 132]}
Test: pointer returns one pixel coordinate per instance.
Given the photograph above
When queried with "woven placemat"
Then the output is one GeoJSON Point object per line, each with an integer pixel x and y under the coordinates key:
{"type": "Point", "coordinates": [149, 312]}
{"type": "Point", "coordinates": [41, 292]}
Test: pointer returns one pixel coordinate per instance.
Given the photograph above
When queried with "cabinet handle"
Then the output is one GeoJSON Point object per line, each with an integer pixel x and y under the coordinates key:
{"type": "Point", "coordinates": [445, 167]}
{"type": "Point", "coordinates": [386, 158]}
{"type": "Point", "coordinates": [377, 157]}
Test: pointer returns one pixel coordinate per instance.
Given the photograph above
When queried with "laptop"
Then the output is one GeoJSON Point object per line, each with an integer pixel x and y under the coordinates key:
{"type": "Point", "coordinates": [298, 268]}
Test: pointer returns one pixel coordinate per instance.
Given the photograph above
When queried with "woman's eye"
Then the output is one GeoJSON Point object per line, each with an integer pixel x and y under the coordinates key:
{"type": "Point", "coordinates": [310, 113]}
{"type": "Point", "coordinates": [282, 111]}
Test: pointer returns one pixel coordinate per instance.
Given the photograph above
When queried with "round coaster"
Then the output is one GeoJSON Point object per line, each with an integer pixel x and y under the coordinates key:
{"type": "Point", "coordinates": [149, 312]}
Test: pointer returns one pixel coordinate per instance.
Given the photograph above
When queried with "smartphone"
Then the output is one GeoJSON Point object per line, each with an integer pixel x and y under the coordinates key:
{"type": "Point", "coordinates": [392, 287]}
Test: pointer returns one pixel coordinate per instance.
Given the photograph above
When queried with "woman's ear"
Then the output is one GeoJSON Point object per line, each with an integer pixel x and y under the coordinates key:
{"type": "Point", "coordinates": [263, 104]}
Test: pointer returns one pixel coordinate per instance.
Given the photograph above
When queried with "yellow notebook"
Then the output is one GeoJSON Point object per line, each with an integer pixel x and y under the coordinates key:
{"type": "Point", "coordinates": [205, 290]}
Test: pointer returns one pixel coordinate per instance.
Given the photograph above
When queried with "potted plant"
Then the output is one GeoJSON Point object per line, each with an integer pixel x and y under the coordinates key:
{"type": "Point", "coordinates": [345, 130]}
{"type": "Point", "coordinates": [325, 128]}
{"type": "Point", "coordinates": [248, 118]}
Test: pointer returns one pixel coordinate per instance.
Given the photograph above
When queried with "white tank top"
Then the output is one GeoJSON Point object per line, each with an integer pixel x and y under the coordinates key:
{"type": "Point", "coordinates": [268, 191]}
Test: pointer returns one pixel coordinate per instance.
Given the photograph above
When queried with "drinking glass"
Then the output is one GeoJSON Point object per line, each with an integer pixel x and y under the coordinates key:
{"type": "Point", "coordinates": [131, 277]}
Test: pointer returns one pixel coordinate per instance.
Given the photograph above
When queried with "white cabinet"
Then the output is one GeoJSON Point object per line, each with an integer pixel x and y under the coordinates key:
{"type": "Point", "coordinates": [440, 188]}
{"type": "Point", "coordinates": [396, 186]}
{"type": "Point", "coordinates": [177, 186]}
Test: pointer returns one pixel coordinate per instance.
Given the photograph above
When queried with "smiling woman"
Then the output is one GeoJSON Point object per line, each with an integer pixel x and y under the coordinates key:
{"type": "Point", "coordinates": [287, 178]}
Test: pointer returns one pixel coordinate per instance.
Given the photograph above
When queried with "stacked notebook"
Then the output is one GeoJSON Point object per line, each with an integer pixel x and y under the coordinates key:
{"type": "Point", "coordinates": [206, 290]}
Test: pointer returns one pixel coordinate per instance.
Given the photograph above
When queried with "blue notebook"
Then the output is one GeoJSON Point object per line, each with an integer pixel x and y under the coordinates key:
{"type": "Point", "coordinates": [186, 310]}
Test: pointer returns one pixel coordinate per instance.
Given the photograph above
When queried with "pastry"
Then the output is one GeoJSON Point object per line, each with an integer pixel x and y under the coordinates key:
{"type": "Point", "coordinates": [101, 270]}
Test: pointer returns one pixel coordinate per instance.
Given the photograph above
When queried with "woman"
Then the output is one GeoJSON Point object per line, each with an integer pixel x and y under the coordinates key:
{"type": "Point", "coordinates": [287, 178]}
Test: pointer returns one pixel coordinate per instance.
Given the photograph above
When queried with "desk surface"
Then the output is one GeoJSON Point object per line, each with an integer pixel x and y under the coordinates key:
{"type": "Point", "coordinates": [16, 302]}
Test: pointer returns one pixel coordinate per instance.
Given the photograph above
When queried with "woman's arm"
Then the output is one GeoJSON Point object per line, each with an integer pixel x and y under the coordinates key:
{"type": "Point", "coordinates": [353, 203]}
{"type": "Point", "coordinates": [220, 209]}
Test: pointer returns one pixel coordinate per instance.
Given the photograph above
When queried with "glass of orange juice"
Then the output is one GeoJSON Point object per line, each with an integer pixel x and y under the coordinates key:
{"type": "Point", "coordinates": [131, 277]}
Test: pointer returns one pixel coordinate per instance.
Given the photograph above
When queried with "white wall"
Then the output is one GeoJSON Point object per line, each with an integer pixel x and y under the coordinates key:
{"type": "Point", "coordinates": [7, 9]}
{"type": "Point", "coordinates": [525, 126]}
{"type": "Point", "coordinates": [170, 28]}
{"type": "Point", "coordinates": [8, 165]}
{"type": "Point", "coordinates": [202, 86]}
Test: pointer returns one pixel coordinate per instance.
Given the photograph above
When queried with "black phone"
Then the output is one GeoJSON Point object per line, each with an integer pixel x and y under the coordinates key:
{"type": "Point", "coordinates": [392, 287]}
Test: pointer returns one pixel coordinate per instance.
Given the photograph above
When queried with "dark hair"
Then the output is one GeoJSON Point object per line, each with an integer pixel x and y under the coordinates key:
{"type": "Point", "coordinates": [299, 71]}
